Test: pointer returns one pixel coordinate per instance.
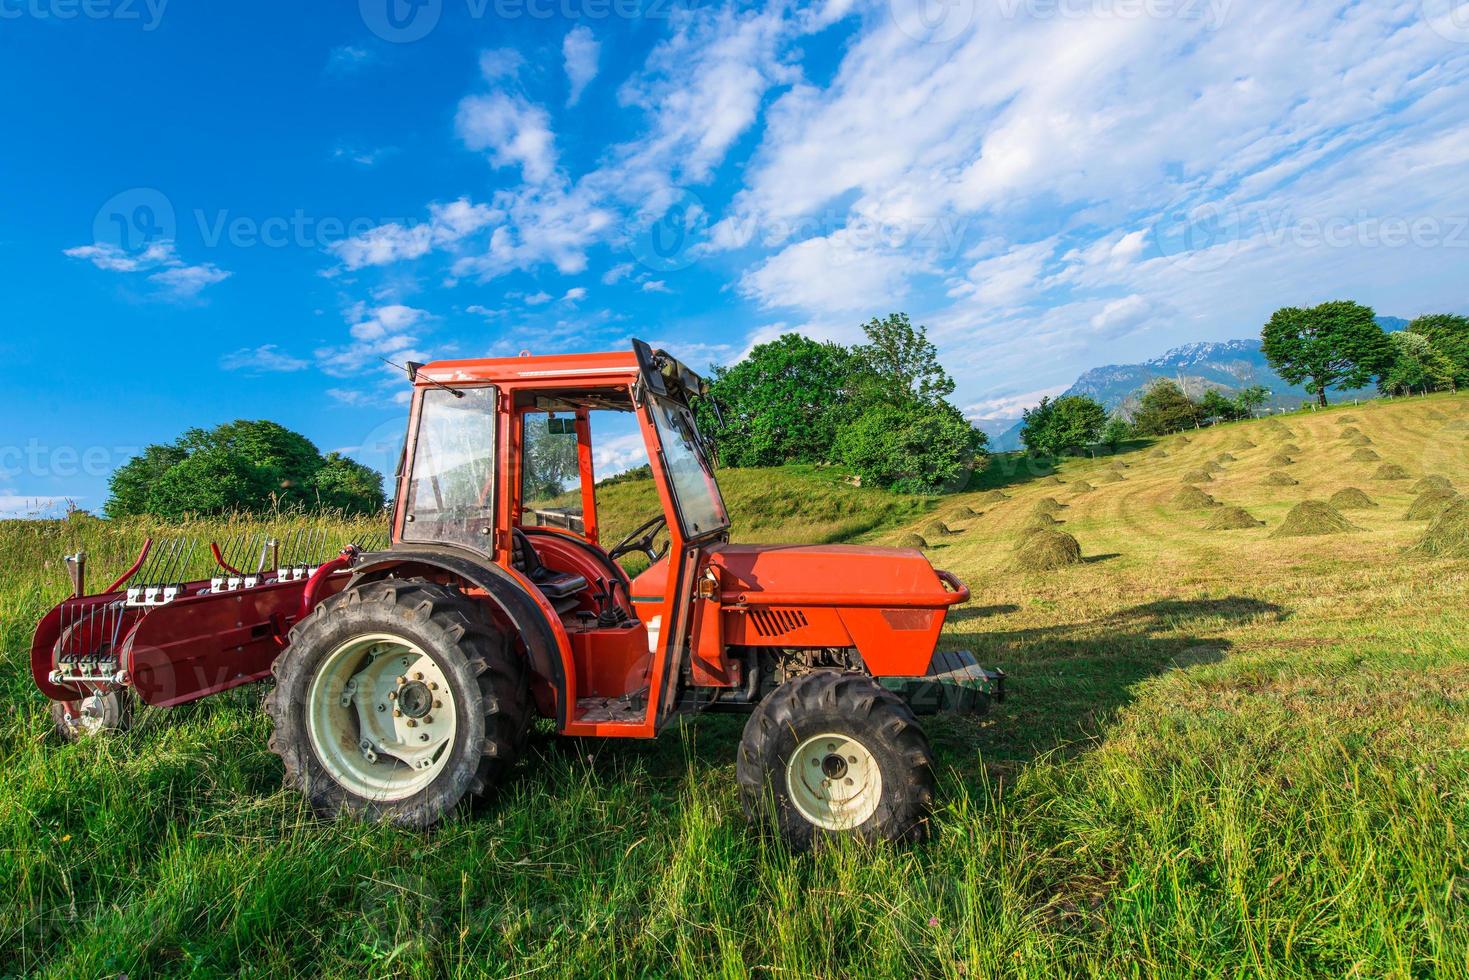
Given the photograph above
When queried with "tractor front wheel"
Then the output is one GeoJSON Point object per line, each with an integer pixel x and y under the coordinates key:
{"type": "Point", "coordinates": [835, 754]}
{"type": "Point", "coordinates": [92, 715]}
{"type": "Point", "coordinates": [395, 701]}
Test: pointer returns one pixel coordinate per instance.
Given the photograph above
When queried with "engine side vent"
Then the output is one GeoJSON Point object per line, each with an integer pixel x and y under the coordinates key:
{"type": "Point", "coordinates": [777, 622]}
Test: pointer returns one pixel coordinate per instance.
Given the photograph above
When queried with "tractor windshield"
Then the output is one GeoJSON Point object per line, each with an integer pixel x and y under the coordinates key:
{"type": "Point", "coordinates": [690, 472]}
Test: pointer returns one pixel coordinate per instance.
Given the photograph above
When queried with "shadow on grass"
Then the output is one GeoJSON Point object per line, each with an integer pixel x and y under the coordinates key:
{"type": "Point", "coordinates": [1004, 471]}
{"type": "Point", "coordinates": [1066, 682]}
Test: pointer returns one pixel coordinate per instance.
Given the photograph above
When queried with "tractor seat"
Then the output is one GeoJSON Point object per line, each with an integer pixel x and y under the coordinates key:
{"type": "Point", "coordinates": [561, 588]}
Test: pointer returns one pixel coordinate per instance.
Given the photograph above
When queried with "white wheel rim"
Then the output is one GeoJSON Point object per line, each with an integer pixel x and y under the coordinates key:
{"type": "Point", "coordinates": [381, 717]}
{"type": "Point", "coordinates": [834, 781]}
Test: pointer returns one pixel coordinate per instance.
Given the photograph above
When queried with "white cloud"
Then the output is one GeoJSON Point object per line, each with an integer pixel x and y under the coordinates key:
{"type": "Point", "coordinates": [580, 50]}
{"type": "Point", "coordinates": [830, 274]}
{"type": "Point", "coordinates": [176, 279]}
{"type": "Point", "coordinates": [514, 132]}
{"type": "Point", "coordinates": [388, 331]}
{"type": "Point", "coordinates": [262, 359]}
{"type": "Point", "coordinates": [394, 242]}
{"type": "Point", "coordinates": [656, 286]}
{"type": "Point", "coordinates": [575, 295]}
{"type": "Point", "coordinates": [540, 298]}
{"type": "Point", "coordinates": [347, 59]}
{"type": "Point", "coordinates": [616, 273]}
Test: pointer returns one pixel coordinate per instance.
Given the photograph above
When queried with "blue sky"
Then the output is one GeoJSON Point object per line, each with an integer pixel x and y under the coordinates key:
{"type": "Point", "coordinates": [232, 211]}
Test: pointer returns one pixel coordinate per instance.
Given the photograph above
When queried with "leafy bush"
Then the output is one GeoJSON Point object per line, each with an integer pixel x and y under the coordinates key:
{"type": "Point", "coordinates": [913, 449]}
{"type": "Point", "coordinates": [1164, 408]}
{"type": "Point", "coordinates": [1069, 422]}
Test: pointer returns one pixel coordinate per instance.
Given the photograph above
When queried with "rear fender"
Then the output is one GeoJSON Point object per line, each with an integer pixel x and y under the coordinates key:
{"type": "Point", "coordinates": [546, 645]}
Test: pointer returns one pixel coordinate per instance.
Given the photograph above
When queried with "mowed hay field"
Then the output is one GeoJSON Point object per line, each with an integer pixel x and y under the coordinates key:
{"type": "Point", "coordinates": [1226, 753]}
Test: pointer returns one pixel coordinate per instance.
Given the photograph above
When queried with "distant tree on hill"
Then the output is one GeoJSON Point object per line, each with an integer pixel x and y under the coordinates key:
{"type": "Point", "coordinates": [782, 404]}
{"type": "Point", "coordinates": [1449, 334]}
{"type": "Point", "coordinates": [1251, 399]}
{"type": "Point", "coordinates": [1337, 344]}
{"type": "Point", "coordinates": [1214, 405]}
{"type": "Point", "coordinates": [241, 466]}
{"type": "Point", "coordinates": [912, 450]}
{"type": "Point", "coordinates": [1069, 422]}
{"type": "Point", "coordinates": [1117, 431]}
{"type": "Point", "coordinates": [1418, 365]}
{"type": "Point", "coordinates": [1164, 408]}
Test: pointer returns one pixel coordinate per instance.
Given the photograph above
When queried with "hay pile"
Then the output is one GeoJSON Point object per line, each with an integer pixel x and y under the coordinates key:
{"type": "Point", "coordinates": [1213, 467]}
{"type": "Point", "coordinates": [1118, 464]}
{"type": "Point", "coordinates": [1232, 519]}
{"type": "Point", "coordinates": [1158, 454]}
{"type": "Point", "coordinates": [1224, 458]}
{"type": "Point", "coordinates": [1109, 476]}
{"type": "Point", "coordinates": [1430, 504]}
{"type": "Point", "coordinates": [1390, 471]}
{"type": "Point", "coordinates": [1050, 481]}
{"type": "Point", "coordinates": [1280, 459]}
{"type": "Point", "coordinates": [1352, 499]}
{"type": "Point", "coordinates": [1081, 486]}
{"type": "Point", "coordinates": [1048, 505]}
{"type": "Point", "coordinates": [991, 497]}
{"type": "Point", "coordinates": [1345, 419]}
{"type": "Point", "coordinates": [1192, 498]}
{"type": "Point", "coordinates": [1313, 517]}
{"type": "Point", "coordinates": [1046, 551]}
{"type": "Point", "coordinates": [1291, 449]}
{"type": "Point", "coordinates": [1364, 455]}
{"type": "Point", "coordinates": [1184, 439]}
{"type": "Point", "coordinates": [1436, 415]}
{"type": "Point", "coordinates": [1279, 479]}
{"type": "Point", "coordinates": [1448, 535]}
{"type": "Point", "coordinates": [1039, 521]}
{"type": "Point", "coordinates": [1242, 444]}
{"type": "Point", "coordinates": [1359, 441]}
{"type": "Point", "coordinates": [938, 529]}
{"type": "Point", "coordinates": [911, 540]}
{"type": "Point", "coordinates": [1198, 476]}
{"type": "Point", "coordinates": [1349, 432]}
{"type": "Point", "coordinates": [1433, 482]}
{"type": "Point", "coordinates": [971, 512]}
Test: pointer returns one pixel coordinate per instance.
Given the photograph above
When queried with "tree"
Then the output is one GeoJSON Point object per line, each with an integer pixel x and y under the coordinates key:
{"type": "Point", "coordinates": [1337, 344]}
{"type": "Point", "coordinates": [1164, 408]}
{"type": "Point", "coordinates": [899, 364]}
{"type": "Point", "coordinates": [1069, 422]}
{"type": "Point", "coordinates": [782, 404]}
{"type": "Point", "coordinates": [1117, 431]}
{"type": "Point", "coordinates": [1215, 406]}
{"type": "Point", "coordinates": [1449, 334]}
{"type": "Point", "coordinates": [246, 466]}
{"type": "Point", "coordinates": [345, 485]}
{"type": "Point", "coordinates": [1417, 365]}
{"type": "Point", "coordinates": [920, 449]}
{"type": "Point", "coordinates": [1251, 399]}
{"type": "Point", "coordinates": [131, 483]}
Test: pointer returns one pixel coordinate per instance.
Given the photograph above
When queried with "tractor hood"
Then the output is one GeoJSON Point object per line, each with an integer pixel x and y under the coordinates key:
{"type": "Point", "coordinates": [833, 576]}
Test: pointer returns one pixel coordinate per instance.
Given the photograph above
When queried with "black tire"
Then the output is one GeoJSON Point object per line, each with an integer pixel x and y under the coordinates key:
{"type": "Point", "coordinates": [852, 705]}
{"type": "Point", "coordinates": [485, 675]}
{"type": "Point", "coordinates": [103, 714]}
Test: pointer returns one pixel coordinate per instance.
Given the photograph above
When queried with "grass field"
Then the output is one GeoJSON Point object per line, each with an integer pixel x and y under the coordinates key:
{"type": "Point", "coordinates": [1226, 754]}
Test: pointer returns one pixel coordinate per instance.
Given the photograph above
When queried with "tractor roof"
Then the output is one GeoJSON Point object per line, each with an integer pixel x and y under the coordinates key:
{"type": "Point", "coordinates": [572, 369]}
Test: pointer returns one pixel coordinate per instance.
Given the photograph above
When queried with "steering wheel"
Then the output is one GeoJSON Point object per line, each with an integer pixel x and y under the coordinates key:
{"type": "Point", "coordinates": [641, 541]}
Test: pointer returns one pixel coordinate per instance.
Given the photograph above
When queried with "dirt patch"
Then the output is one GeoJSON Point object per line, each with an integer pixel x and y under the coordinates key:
{"type": "Point", "coordinates": [1046, 551]}
{"type": "Point", "coordinates": [1352, 499]}
{"type": "Point", "coordinates": [1390, 471]}
{"type": "Point", "coordinates": [1448, 535]}
{"type": "Point", "coordinates": [911, 540]}
{"type": "Point", "coordinates": [1430, 504]}
{"type": "Point", "coordinates": [1198, 476]}
{"type": "Point", "coordinates": [1364, 455]}
{"type": "Point", "coordinates": [1232, 519]}
{"type": "Point", "coordinates": [1432, 482]}
{"type": "Point", "coordinates": [1313, 517]}
{"type": "Point", "coordinates": [1279, 479]}
{"type": "Point", "coordinates": [1280, 459]}
{"type": "Point", "coordinates": [1192, 498]}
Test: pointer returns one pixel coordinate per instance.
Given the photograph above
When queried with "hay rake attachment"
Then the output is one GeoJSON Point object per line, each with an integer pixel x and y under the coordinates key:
{"type": "Point", "coordinates": [188, 618]}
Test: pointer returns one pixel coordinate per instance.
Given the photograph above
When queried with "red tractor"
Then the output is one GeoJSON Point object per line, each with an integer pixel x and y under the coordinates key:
{"type": "Point", "coordinates": [406, 679]}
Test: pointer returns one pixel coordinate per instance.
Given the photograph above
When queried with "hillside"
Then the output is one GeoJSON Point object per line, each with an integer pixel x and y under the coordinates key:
{"type": "Point", "coordinates": [1225, 753]}
{"type": "Point", "coordinates": [1226, 366]}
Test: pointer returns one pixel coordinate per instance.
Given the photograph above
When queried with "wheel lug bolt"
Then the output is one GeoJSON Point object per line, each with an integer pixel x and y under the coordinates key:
{"type": "Point", "coordinates": [433, 685]}
{"type": "Point", "coordinates": [397, 713]}
{"type": "Point", "coordinates": [402, 680]}
{"type": "Point", "coordinates": [428, 719]}
{"type": "Point", "coordinates": [392, 695]}
{"type": "Point", "coordinates": [412, 723]}
{"type": "Point", "coordinates": [438, 704]}
{"type": "Point", "coordinates": [418, 676]}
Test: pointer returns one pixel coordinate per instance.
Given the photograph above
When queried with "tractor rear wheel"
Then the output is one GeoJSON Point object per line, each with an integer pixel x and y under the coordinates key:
{"type": "Point", "coordinates": [832, 754]}
{"type": "Point", "coordinates": [395, 701]}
